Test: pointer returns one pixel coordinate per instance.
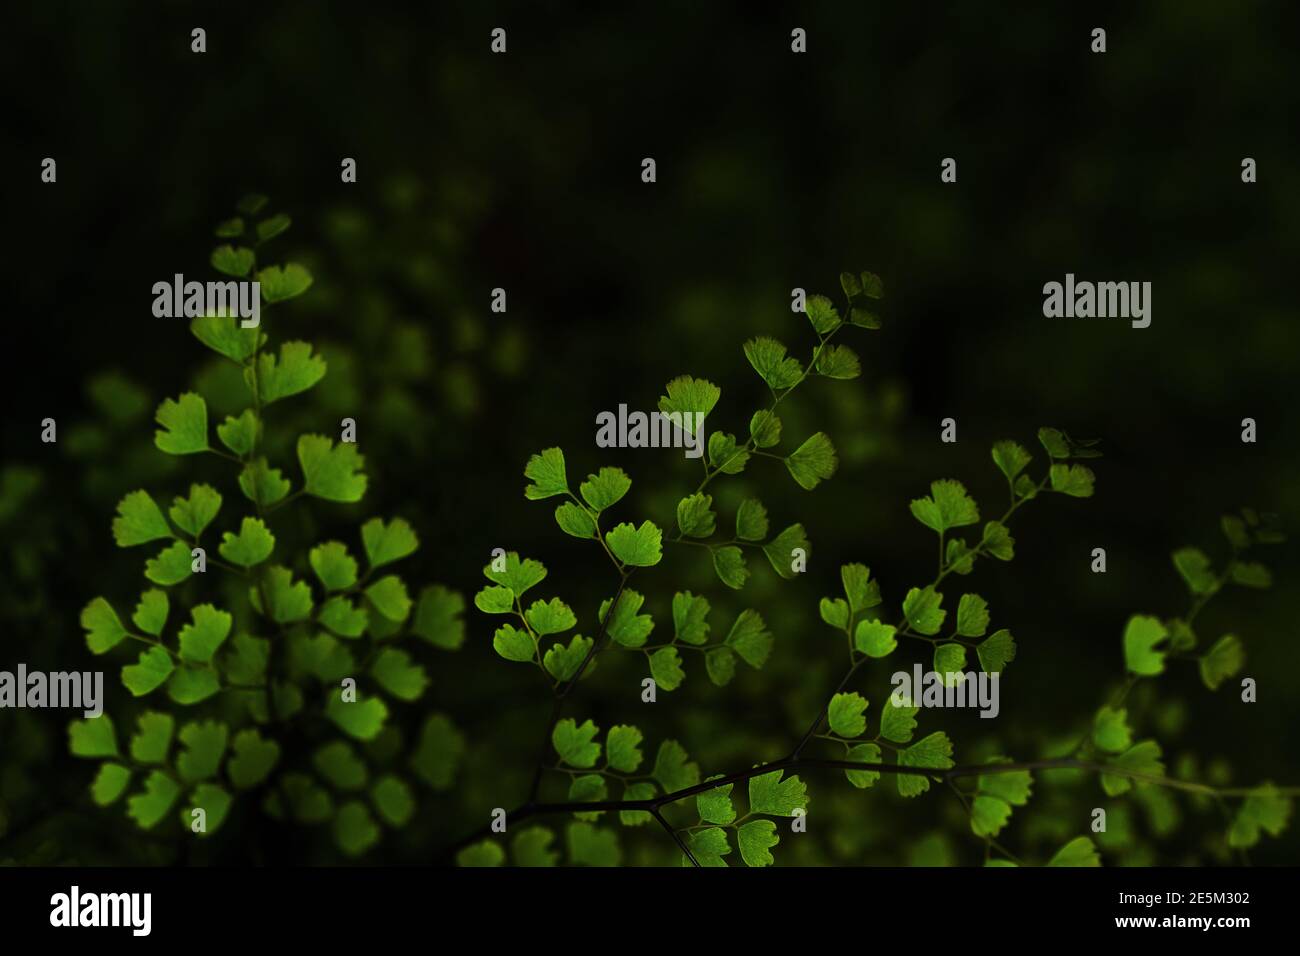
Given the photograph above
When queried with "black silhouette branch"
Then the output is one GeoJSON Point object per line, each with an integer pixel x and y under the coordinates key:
{"type": "Point", "coordinates": [654, 805]}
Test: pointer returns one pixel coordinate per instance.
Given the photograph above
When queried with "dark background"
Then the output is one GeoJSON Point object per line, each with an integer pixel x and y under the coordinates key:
{"type": "Point", "coordinates": [774, 171]}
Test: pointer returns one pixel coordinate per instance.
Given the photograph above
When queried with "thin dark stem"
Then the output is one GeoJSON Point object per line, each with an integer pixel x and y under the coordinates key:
{"type": "Point", "coordinates": [654, 804]}
{"type": "Point", "coordinates": [536, 784]}
{"type": "Point", "coordinates": [676, 836]}
{"type": "Point", "coordinates": [821, 714]}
